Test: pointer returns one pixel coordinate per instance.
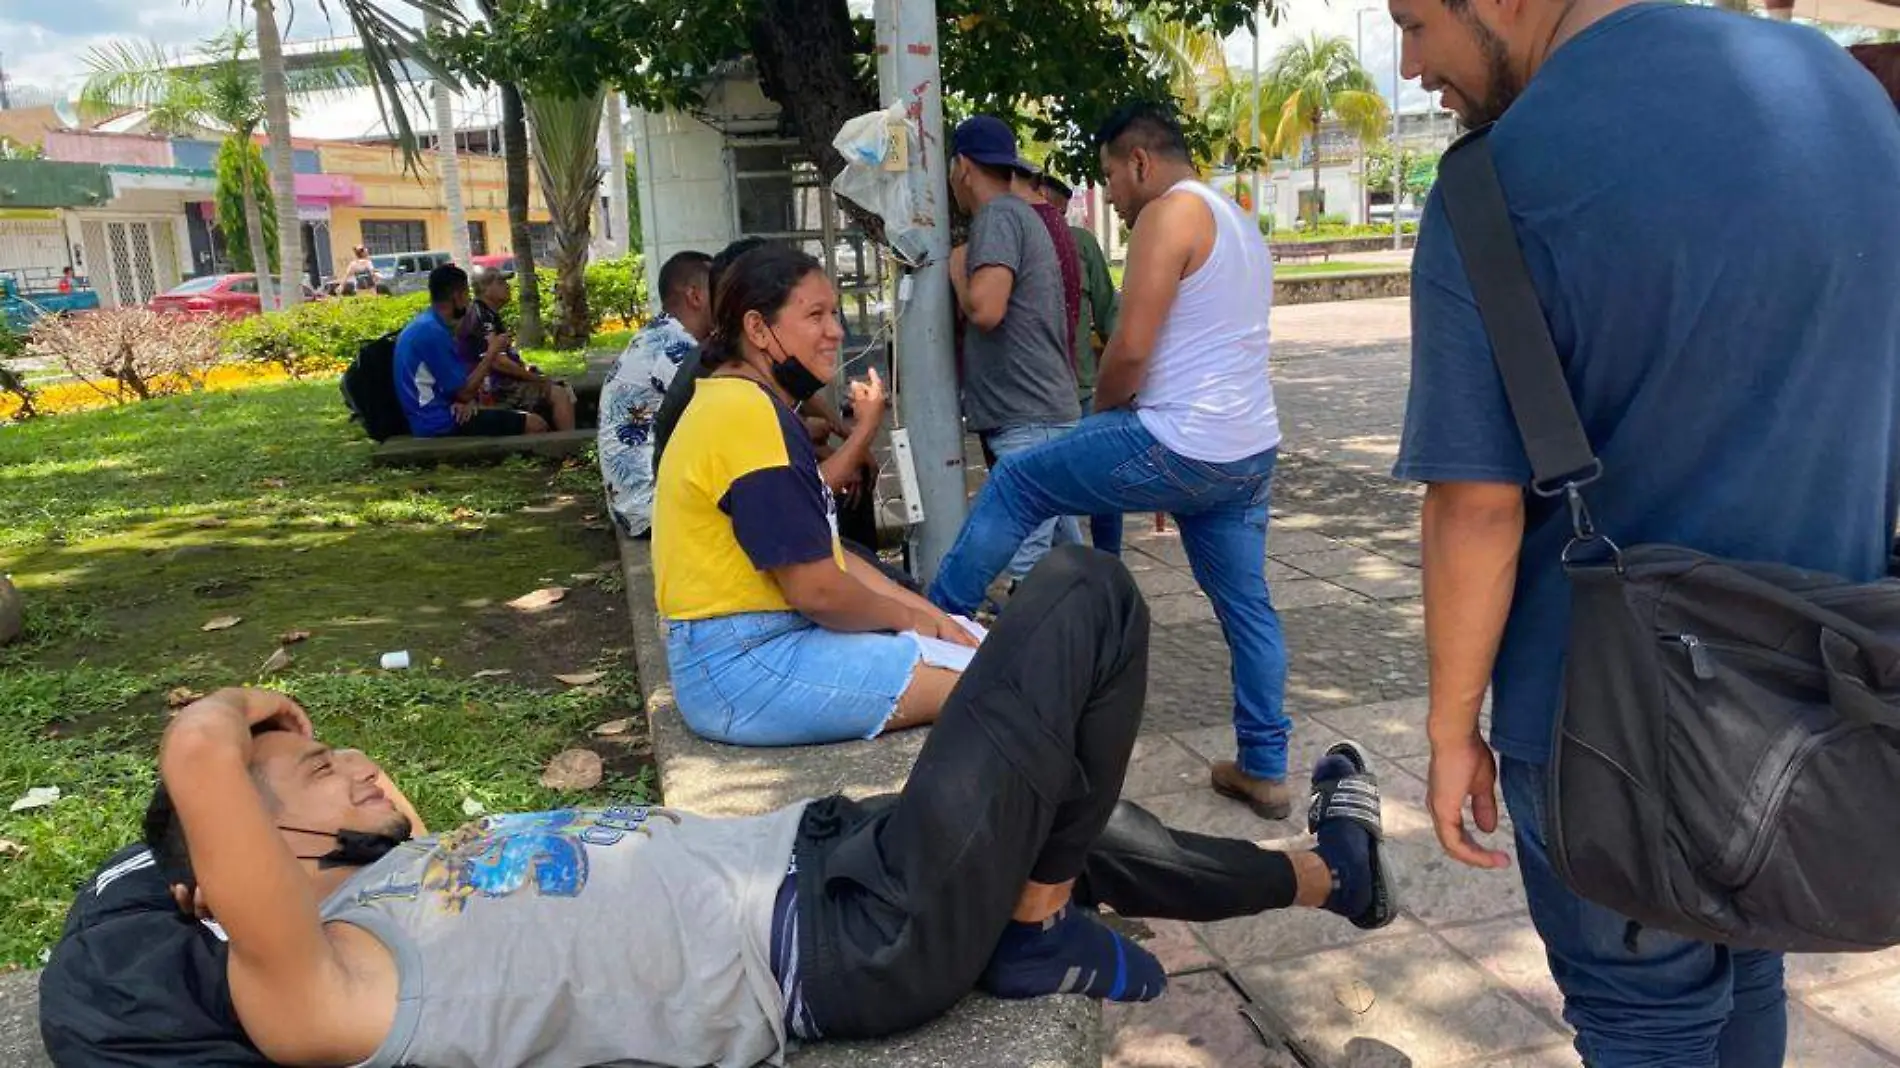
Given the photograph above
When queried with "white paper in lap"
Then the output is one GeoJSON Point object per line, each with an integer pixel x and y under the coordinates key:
{"type": "Point", "coordinates": [938, 653]}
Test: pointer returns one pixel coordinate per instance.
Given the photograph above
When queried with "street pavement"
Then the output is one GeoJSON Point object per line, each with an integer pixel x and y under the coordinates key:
{"type": "Point", "coordinates": [1459, 980]}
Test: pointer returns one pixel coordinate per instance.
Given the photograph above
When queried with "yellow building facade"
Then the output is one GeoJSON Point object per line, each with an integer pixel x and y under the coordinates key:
{"type": "Point", "coordinates": [377, 204]}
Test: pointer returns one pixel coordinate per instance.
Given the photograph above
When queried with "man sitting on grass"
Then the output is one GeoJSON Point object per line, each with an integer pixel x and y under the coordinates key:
{"type": "Point", "coordinates": [583, 937]}
{"type": "Point", "coordinates": [438, 392]}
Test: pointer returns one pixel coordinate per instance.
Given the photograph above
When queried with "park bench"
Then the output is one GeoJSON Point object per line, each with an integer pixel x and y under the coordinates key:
{"type": "Point", "coordinates": [1302, 251]}
{"type": "Point", "coordinates": [713, 779]}
{"type": "Point", "coordinates": [406, 451]}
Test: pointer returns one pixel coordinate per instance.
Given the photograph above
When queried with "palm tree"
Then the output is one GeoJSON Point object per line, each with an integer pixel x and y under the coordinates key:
{"type": "Point", "coordinates": [514, 151]}
{"type": "Point", "coordinates": [447, 164]}
{"type": "Point", "coordinates": [1317, 79]}
{"type": "Point", "coordinates": [223, 89]}
{"type": "Point", "coordinates": [1194, 61]}
{"type": "Point", "coordinates": [387, 44]}
{"type": "Point", "coordinates": [566, 135]}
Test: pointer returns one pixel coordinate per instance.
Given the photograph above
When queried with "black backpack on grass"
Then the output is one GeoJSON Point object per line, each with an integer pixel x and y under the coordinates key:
{"type": "Point", "coordinates": [1727, 753]}
{"type": "Point", "coordinates": [369, 389]}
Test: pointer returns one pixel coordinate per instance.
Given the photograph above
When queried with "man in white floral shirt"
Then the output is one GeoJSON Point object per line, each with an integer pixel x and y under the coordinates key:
{"type": "Point", "coordinates": [631, 399]}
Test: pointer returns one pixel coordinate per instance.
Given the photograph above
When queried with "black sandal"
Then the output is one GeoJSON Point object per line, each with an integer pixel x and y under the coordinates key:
{"type": "Point", "coordinates": [1356, 798]}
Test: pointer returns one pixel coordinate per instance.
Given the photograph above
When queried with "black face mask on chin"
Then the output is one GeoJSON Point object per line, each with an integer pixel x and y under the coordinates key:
{"type": "Point", "coordinates": [793, 376]}
{"type": "Point", "coordinates": [354, 849]}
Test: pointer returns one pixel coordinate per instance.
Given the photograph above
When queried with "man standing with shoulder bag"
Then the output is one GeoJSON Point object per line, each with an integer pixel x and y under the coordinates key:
{"type": "Point", "coordinates": [1656, 402]}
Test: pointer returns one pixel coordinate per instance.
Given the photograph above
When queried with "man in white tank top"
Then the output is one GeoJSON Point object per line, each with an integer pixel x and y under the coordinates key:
{"type": "Point", "coordinates": [1185, 423]}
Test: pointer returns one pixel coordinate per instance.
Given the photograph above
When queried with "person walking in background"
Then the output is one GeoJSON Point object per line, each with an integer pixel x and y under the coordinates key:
{"type": "Point", "coordinates": [1018, 387]}
{"type": "Point", "coordinates": [1097, 312]}
{"type": "Point", "coordinates": [1185, 424]}
{"type": "Point", "coordinates": [1734, 353]}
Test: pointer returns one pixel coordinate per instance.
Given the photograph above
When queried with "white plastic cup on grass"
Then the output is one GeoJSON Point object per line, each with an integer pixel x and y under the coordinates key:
{"type": "Point", "coordinates": [396, 661]}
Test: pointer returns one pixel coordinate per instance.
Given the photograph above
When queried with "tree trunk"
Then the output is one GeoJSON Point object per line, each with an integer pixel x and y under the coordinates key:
{"type": "Point", "coordinates": [576, 323]}
{"type": "Point", "coordinates": [448, 168]}
{"type": "Point", "coordinates": [270, 62]}
{"type": "Point", "coordinates": [254, 237]}
{"type": "Point", "coordinates": [617, 190]}
{"type": "Point", "coordinates": [514, 147]}
{"type": "Point", "coordinates": [806, 52]}
{"type": "Point", "coordinates": [1318, 208]}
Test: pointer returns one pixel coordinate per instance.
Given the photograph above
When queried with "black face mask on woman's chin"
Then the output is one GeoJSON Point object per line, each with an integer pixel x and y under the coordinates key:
{"type": "Point", "coordinates": [793, 376]}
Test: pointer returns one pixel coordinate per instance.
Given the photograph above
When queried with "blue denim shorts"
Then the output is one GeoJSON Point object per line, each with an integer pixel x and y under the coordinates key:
{"type": "Point", "coordinates": [777, 678]}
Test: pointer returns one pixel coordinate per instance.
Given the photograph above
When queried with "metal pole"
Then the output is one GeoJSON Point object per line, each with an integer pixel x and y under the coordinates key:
{"type": "Point", "coordinates": [1256, 115]}
{"type": "Point", "coordinates": [1365, 189]}
{"type": "Point", "coordinates": [1398, 156]}
{"type": "Point", "coordinates": [926, 366]}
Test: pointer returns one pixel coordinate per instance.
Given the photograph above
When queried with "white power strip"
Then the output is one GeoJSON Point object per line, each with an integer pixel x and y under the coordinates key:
{"type": "Point", "coordinates": [907, 475]}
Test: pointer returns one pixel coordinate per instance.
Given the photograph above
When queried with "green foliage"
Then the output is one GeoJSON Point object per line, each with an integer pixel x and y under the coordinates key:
{"type": "Point", "coordinates": [127, 528]}
{"type": "Point", "coordinates": [635, 238]}
{"type": "Point", "coordinates": [1341, 231]}
{"type": "Point", "coordinates": [1419, 170]}
{"type": "Point", "coordinates": [235, 156]}
{"type": "Point", "coordinates": [616, 292]}
{"type": "Point", "coordinates": [319, 336]}
{"type": "Point", "coordinates": [1054, 67]}
{"type": "Point", "coordinates": [617, 287]}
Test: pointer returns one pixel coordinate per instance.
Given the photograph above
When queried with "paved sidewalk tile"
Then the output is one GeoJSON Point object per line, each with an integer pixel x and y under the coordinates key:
{"type": "Point", "coordinates": [1816, 1042]}
{"type": "Point", "coordinates": [1175, 943]}
{"type": "Point", "coordinates": [1311, 593]}
{"type": "Point", "coordinates": [1177, 608]}
{"type": "Point", "coordinates": [1329, 563]}
{"type": "Point", "coordinates": [1408, 1000]}
{"type": "Point", "coordinates": [1391, 729]}
{"type": "Point", "coordinates": [1164, 580]}
{"type": "Point", "coordinates": [1274, 937]}
{"type": "Point", "coordinates": [1866, 1007]}
{"type": "Point", "coordinates": [1197, 1024]}
{"type": "Point", "coordinates": [1161, 765]}
{"type": "Point", "coordinates": [1809, 970]}
{"type": "Point", "coordinates": [1513, 955]}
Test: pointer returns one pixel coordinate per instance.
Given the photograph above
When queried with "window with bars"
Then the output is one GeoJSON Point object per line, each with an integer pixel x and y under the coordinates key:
{"type": "Point", "coordinates": [780, 195]}
{"type": "Point", "coordinates": [387, 236]}
{"type": "Point", "coordinates": [477, 237]}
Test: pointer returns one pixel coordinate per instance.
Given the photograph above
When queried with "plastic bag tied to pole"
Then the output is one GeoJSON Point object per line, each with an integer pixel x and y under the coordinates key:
{"type": "Point", "coordinates": [877, 147]}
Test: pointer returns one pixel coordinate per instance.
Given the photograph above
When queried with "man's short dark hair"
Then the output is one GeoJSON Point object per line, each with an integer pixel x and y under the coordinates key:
{"type": "Point", "coordinates": [446, 281]}
{"type": "Point", "coordinates": [683, 271]}
{"type": "Point", "coordinates": [165, 836]}
{"type": "Point", "coordinates": [996, 172]}
{"type": "Point", "coordinates": [727, 256]}
{"type": "Point", "coordinates": [1144, 124]}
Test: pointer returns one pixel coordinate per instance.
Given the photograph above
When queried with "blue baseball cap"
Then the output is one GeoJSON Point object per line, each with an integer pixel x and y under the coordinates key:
{"type": "Point", "coordinates": [988, 140]}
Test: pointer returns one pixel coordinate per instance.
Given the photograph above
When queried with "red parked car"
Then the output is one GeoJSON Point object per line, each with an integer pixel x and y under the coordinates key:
{"type": "Point", "coordinates": [229, 296]}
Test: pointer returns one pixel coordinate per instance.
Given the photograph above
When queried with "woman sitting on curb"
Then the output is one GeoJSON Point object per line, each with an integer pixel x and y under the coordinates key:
{"type": "Point", "coordinates": [775, 635]}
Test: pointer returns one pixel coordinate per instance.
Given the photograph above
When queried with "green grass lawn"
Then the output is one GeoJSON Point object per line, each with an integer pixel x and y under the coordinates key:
{"type": "Point", "coordinates": [128, 529]}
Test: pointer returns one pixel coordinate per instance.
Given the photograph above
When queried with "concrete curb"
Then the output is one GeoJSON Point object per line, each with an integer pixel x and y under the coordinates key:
{"type": "Point", "coordinates": [712, 779]}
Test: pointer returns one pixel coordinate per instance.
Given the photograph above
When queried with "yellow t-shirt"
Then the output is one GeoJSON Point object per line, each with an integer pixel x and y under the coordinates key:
{"type": "Point", "coordinates": [739, 493]}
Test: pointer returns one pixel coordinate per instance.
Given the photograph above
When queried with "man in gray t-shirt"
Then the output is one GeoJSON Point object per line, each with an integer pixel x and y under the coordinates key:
{"type": "Point", "coordinates": [1018, 386]}
{"type": "Point", "coordinates": [605, 935]}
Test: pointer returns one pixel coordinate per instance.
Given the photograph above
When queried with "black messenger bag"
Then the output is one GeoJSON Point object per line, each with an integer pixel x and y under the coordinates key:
{"type": "Point", "coordinates": [1726, 761]}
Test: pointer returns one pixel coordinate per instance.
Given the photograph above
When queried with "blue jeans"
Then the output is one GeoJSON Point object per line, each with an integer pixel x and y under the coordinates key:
{"type": "Point", "coordinates": [1060, 531]}
{"type": "Point", "coordinates": [1110, 463]}
{"type": "Point", "coordinates": [1658, 1001]}
{"type": "Point", "coordinates": [777, 678]}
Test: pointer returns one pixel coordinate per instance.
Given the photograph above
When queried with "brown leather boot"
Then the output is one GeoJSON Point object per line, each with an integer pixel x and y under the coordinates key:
{"type": "Point", "coordinates": [1270, 799]}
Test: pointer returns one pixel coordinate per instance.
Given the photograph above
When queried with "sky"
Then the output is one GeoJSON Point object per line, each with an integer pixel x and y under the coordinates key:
{"type": "Point", "coordinates": [45, 41]}
{"type": "Point", "coordinates": [1333, 18]}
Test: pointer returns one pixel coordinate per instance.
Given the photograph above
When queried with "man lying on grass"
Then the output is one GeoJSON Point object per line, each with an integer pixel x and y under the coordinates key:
{"type": "Point", "coordinates": [582, 937]}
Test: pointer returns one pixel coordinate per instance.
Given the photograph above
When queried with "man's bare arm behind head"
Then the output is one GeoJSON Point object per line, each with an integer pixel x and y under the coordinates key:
{"type": "Point", "coordinates": [1173, 235]}
{"type": "Point", "coordinates": [296, 998]}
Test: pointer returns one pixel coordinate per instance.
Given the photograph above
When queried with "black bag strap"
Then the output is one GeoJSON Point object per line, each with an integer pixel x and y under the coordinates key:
{"type": "Point", "coordinates": [1561, 458]}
